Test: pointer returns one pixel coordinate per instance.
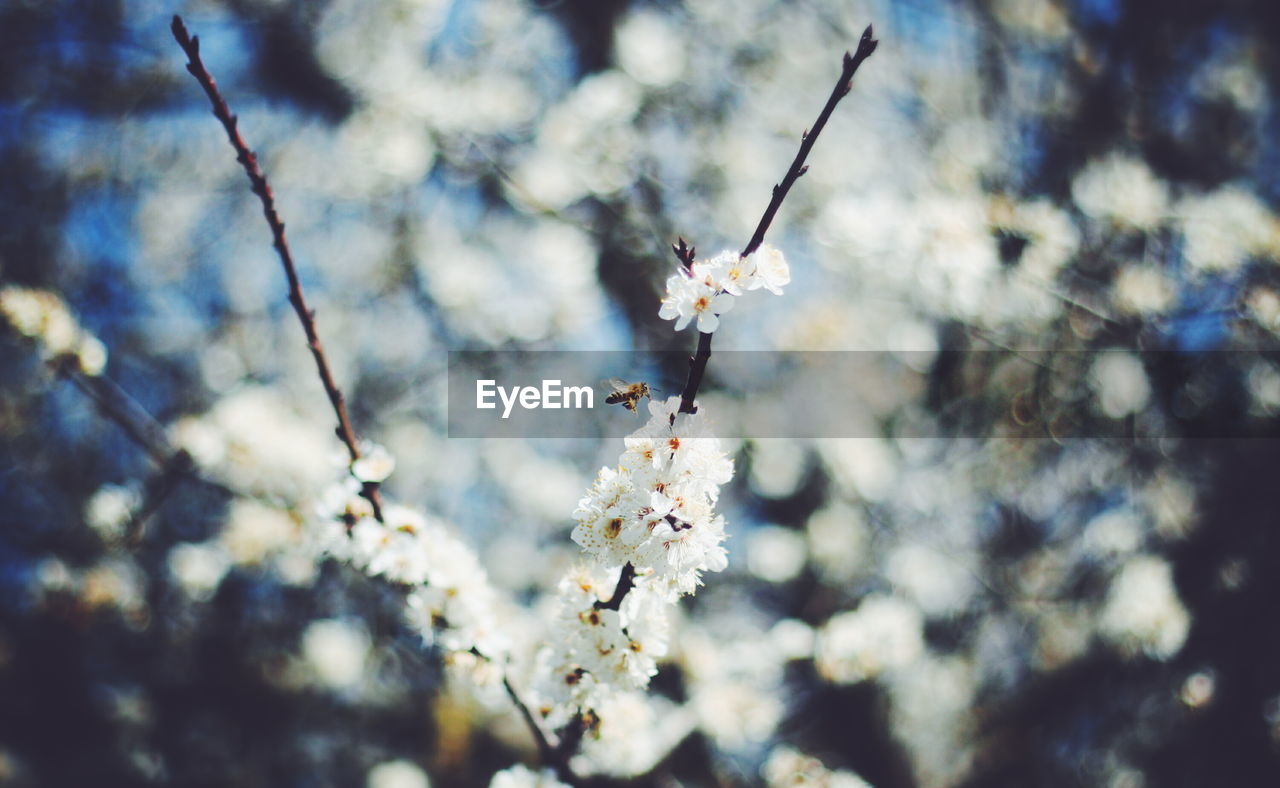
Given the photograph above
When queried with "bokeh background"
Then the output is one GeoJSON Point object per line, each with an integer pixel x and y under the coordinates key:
{"type": "Point", "coordinates": [1007, 175]}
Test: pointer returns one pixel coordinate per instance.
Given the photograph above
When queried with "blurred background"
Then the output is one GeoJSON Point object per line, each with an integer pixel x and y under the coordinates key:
{"type": "Point", "coordinates": [1053, 176]}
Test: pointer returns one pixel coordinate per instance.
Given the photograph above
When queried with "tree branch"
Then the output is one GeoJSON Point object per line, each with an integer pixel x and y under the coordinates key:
{"type": "Point", "coordinates": [626, 581]}
{"type": "Point", "coordinates": [556, 756]}
{"type": "Point", "coordinates": [545, 751]}
{"type": "Point", "coordinates": [685, 253]}
{"type": "Point", "coordinates": [115, 404]}
{"type": "Point", "coordinates": [698, 362]}
{"type": "Point", "coordinates": [258, 182]}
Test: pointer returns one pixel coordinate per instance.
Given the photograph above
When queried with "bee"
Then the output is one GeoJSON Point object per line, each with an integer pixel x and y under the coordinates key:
{"type": "Point", "coordinates": [625, 394]}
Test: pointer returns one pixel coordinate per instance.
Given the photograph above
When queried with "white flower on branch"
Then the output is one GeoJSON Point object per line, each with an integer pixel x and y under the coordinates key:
{"type": "Point", "coordinates": [705, 291]}
{"type": "Point", "coordinates": [451, 601]}
{"type": "Point", "coordinates": [597, 651]}
{"type": "Point", "coordinates": [635, 731]}
{"type": "Point", "coordinates": [375, 464]}
{"type": "Point", "coordinates": [651, 527]}
{"type": "Point", "coordinates": [727, 271]}
{"type": "Point", "coordinates": [655, 509]}
{"type": "Point", "coordinates": [694, 297]}
{"type": "Point", "coordinates": [770, 271]}
{"type": "Point", "coordinates": [44, 318]}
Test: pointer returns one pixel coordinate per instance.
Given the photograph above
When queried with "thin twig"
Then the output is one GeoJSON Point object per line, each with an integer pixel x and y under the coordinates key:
{"type": "Point", "coordinates": [626, 581]}
{"type": "Point", "coordinates": [157, 490]}
{"type": "Point", "coordinates": [176, 465]}
{"type": "Point", "coordinates": [116, 404]}
{"type": "Point", "coordinates": [570, 740]}
{"type": "Point", "coordinates": [258, 182]}
{"type": "Point", "coordinates": [555, 755]}
{"type": "Point", "coordinates": [867, 45]}
{"type": "Point", "coordinates": [545, 751]}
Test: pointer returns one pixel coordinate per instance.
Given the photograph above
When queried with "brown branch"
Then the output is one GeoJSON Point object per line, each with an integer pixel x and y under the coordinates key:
{"type": "Point", "coordinates": [116, 404]}
{"type": "Point", "coordinates": [545, 751]}
{"type": "Point", "coordinates": [258, 182]}
{"type": "Point", "coordinates": [157, 490]}
{"type": "Point", "coordinates": [626, 581]}
{"type": "Point", "coordinates": [555, 756]}
{"type": "Point", "coordinates": [570, 740]}
{"type": "Point", "coordinates": [176, 465]}
{"type": "Point", "coordinates": [571, 737]}
{"type": "Point", "coordinates": [697, 367]}
{"type": "Point", "coordinates": [685, 253]}
{"type": "Point", "coordinates": [867, 45]}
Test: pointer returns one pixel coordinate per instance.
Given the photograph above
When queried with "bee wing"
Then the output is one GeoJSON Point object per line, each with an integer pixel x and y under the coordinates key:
{"type": "Point", "coordinates": [617, 384]}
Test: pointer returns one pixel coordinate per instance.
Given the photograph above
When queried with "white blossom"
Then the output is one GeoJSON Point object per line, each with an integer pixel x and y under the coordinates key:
{"type": "Point", "coordinates": [692, 297]}
{"type": "Point", "coordinates": [199, 568]}
{"type": "Point", "coordinates": [336, 651]}
{"type": "Point", "coordinates": [44, 318]}
{"type": "Point", "coordinates": [520, 776]}
{"type": "Point", "coordinates": [1224, 228]}
{"type": "Point", "coordinates": [450, 602]}
{"type": "Point", "coordinates": [655, 509]}
{"type": "Point", "coordinates": [727, 271]}
{"type": "Point", "coordinates": [883, 633]}
{"type": "Point", "coordinates": [397, 774]}
{"type": "Point", "coordinates": [1143, 612]}
{"type": "Point", "coordinates": [596, 650]}
{"type": "Point", "coordinates": [654, 512]}
{"type": "Point", "coordinates": [787, 767]}
{"type": "Point", "coordinates": [375, 465]}
{"type": "Point", "coordinates": [770, 270]}
{"type": "Point", "coordinates": [634, 732]}
{"type": "Point", "coordinates": [1121, 190]}
{"type": "Point", "coordinates": [706, 290]}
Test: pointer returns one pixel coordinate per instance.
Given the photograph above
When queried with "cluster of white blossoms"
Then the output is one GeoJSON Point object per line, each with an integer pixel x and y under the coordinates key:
{"type": "Point", "coordinates": [653, 512]}
{"type": "Point", "coordinates": [450, 601]}
{"type": "Point", "coordinates": [598, 651]}
{"type": "Point", "coordinates": [44, 318]}
{"type": "Point", "coordinates": [649, 525]}
{"type": "Point", "coordinates": [706, 289]}
{"type": "Point", "coordinates": [656, 509]}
